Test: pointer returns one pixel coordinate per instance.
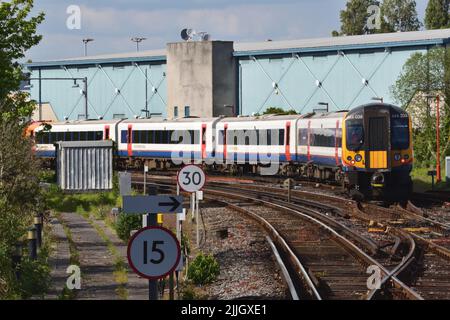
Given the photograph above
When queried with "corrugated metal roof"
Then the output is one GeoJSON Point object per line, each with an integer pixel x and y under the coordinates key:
{"type": "Point", "coordinates": [430, 37]}
{"type": "Point", "coordinates": [363, 41]}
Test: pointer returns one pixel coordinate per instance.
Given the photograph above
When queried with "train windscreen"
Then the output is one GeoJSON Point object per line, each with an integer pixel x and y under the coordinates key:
{"type": "Point", "coordinates": [355, 134]}
{"type": "Point", "coordinates": [399, 133]}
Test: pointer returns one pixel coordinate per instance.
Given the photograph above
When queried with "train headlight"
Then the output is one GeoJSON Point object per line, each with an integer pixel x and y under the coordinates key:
{"type": "Point", "coordinates": [358, 158]}
{"type": "Point", "coordinates": [397, 157]}
{"type": "Point", "coordinates": [349, 158]}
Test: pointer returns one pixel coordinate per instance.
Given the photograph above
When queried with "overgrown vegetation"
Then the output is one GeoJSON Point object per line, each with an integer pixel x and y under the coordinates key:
{"type": "Point", "coordinates": [204, 269]}
{"type": "Point", "coordinates": [20, 196]}
{"type": "Point", "coordinates": [126, 223]}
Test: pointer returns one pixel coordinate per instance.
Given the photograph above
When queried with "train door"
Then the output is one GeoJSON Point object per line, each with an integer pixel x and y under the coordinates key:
{"type": "Point", "coordinates": [309, 141]}
{"type": "Point", "coordinates": [106, 133]}
{"type": "Point", "coordinates": [203, 137]}
{"type": "Point", "coordinates": [130, 140]}
{"type": "Point", "coordinates": [288, 142]}
{"type": "Point", "coordinates": [378, 142]}
{"type": "Point", "coordinates": [225, 130]}
{"type": "Point", "coordinates": [337, 142]}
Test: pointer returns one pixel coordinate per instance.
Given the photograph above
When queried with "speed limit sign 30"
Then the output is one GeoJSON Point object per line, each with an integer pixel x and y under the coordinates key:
{"type": "Point", "coordinates": [153, 252]}
{"type": "Point", "coordinates": [191, 178]}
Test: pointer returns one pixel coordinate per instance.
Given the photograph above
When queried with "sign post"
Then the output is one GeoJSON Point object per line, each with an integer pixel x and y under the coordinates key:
{"type": "Point", "coordinates": [151, 240]}
{"type": "Point", "coordinates": [192, 178]}
{"type": "Point", "coordinates": [153, 253]}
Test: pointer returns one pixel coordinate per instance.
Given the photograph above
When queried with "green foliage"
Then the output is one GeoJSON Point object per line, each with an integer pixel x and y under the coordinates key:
{"type": "Point", "coordinates": [424, 75]}
{"type": "Point", "coordinates": [79, 202]}
{"type": "Point", "coordinates": [354, 18]}
{"type": "Point", "coordinates": [436, 14]}
{"type": "Point", "coordinates": [19, 182]}
{"type": "Point", "coordinates": [204, 269]}
{"type": "Point", "coordinates": [34, 276]}
{"type": "Point", "coordinates": [279, 111]}
{"type": "Point", "coordinates": [126, 223]}
{"type": "Point", "coordinates": [399, 15]}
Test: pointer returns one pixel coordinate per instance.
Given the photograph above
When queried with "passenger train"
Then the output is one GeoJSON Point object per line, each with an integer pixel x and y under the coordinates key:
{"type": "Point", "coordinates": [368, 149]}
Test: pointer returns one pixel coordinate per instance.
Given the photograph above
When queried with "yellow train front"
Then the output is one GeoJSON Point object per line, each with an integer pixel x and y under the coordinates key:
{"type": "Point", "coordinates": [377, 152]}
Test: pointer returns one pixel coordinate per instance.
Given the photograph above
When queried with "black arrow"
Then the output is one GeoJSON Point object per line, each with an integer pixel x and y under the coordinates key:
{"type": "Point", "coordinates": [175, 204]}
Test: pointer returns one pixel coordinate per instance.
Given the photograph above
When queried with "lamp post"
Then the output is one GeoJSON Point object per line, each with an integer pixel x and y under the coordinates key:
{"type": "Point", "coordinates": [138, 40]}
{"type": "Point", "coordinates": [86, 41]}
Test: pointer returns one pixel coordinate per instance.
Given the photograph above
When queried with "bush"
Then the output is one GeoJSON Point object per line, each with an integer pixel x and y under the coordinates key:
{"type": "Point", "coordinates": [204, 269]}
{"type": "Point", "coordinates": [126, 223]}
{"type": "Point", "coordinates": [34, 277]}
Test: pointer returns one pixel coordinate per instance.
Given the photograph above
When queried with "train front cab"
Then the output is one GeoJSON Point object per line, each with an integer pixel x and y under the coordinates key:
{"type": "Point", "coordinates": [377, 152]}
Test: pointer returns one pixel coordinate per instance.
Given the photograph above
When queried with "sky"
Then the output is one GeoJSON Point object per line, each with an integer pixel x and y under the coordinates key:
{"type": "Point", "coordinates": [112, 23]}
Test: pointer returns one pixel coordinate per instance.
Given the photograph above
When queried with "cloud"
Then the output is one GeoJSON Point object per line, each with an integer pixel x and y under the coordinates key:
{"type": "Point", "coordinates": [112, 23]}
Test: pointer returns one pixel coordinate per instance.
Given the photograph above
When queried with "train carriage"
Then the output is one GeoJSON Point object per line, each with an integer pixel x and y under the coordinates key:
{"type": "Point", "coordinates": [158, 142]}
{"type": "Point", "coordinates": [92, 130]}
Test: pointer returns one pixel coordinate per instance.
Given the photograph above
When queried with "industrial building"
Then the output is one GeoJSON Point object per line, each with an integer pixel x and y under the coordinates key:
{"type": "Point", "coordinates": [213, 78]}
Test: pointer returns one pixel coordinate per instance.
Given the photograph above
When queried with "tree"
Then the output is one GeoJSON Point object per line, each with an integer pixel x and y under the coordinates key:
{"type": "Point", "coordinates": [19, 184]}
{"type": "Point", "coordinates": [279, 111]}
{"type": "Point", "coordinates": [426, 75]}
{"type": "Point", "coordinates": [355, 16]}
{"type": "Point", "coordinates": [436, 14]}
{"type": "Point", "coordinates": [399, 15]}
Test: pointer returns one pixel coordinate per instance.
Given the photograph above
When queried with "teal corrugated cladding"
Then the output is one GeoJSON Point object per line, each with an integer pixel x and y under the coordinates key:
{"type": "Point", "coordinates": [301, 81]}
{"type": "Point", "coordinates": [114, 89]}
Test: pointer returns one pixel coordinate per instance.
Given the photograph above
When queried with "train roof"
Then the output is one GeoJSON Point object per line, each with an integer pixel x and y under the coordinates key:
{"type": "Point", "coordinates": [177, 120]}
{"type": "Point", "coordinates": [376, 105]}
{"type": "Point", "coordinates": [81, 122]}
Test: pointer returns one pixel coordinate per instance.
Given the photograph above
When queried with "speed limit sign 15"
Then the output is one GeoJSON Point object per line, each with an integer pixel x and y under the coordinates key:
{"type": "Point", "coordinates": [191, 178]}
{"type": "Point", "coordinates": [153, 252]}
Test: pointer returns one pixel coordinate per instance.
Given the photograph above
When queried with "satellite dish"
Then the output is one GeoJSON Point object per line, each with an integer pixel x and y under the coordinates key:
{"type": "Point", "coordinates": [184, 35]}
{"type": "Point", "coordinates": [206, 37]}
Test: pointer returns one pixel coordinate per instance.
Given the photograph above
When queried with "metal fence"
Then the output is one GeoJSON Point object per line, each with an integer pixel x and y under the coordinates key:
{"type": "Point", "coordinates": [85, 165]}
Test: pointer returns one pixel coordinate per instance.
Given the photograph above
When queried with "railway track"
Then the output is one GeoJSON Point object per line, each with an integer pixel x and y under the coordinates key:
{"type": "Point", "coordinates": [329, 264]}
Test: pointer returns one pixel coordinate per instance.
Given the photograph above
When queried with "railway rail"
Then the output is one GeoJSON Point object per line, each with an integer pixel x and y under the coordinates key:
{"type": "Point", "coordinates": [335, 266]}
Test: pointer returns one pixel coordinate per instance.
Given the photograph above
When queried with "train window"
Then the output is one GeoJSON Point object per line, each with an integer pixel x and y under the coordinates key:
{"type": "Point", "coordinates": [83, 136]}
{"type": "Point", "coordinates": [53, 137]}
{"type": "Point", "coordinates": [59, 136]}
{"type": "Point", "coordinates": [165, 137]}
{"type": "Point", "coordinates": [123, 136]}
{"type": "Point", "coordinates": [151, 136]}
{"type": "Point", "coordinates": [220, 141]}
{"type": "Point", "coordinates": [90, 135]}
{"type": "Point", "coordinates": [323, 137]}
{"type": "Point", "coordinates": [339, 137]}
{"type": "Point", "coordinates": [355, 134]}
{"type": "Point", "coordinates": [76, 136]}
{"type": "Point", "coordinates": [399, 133]}
{"type": "Point", "coordinates": [281, 137]}
{"type": "Point", "coordinates": [136, 136]}
{"type": "Point", "coordinates": [303, 137]}
{"type": "Point", "coordinates": [98, 135]}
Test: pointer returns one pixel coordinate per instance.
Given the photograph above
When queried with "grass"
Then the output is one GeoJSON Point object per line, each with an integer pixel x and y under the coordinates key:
{"type": "Point", "coordinates": [422, 182]}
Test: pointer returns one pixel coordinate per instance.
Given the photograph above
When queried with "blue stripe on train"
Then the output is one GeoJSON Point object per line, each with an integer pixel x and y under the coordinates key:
{"type": "Point", "coordinates": [46, 154]}
{"type": "Point", "coordinates": [247, 157]}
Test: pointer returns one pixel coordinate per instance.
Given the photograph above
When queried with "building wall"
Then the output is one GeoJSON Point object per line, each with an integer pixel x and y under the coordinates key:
{"type": "Point", "coordinates": [201, 76]}
{"type": "Point", "coordinates": [291, 82]}
{"type": "Point", "coordinates": [113, 90]}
